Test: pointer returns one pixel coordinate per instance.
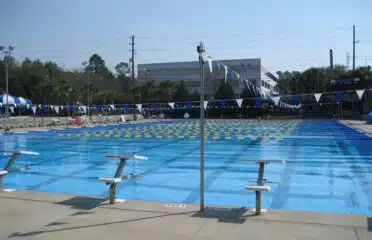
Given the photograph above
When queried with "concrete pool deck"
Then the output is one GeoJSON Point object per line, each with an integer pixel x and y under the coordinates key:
{"type": "Point", "coordinates": [36, 215]}
{"type": "Point", "coordinates": [358, 125]}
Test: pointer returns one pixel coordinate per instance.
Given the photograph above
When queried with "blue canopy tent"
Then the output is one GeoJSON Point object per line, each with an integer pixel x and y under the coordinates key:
{"type": "Point", "coordinates": [14, 100]}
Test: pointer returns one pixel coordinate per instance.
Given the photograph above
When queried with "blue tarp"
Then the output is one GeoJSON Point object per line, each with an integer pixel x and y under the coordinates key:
{"type": "Point", "coordinates": [369, 118]}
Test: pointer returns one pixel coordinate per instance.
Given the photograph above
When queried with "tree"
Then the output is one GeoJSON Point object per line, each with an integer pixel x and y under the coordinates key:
{"type": "Point", "coordinates": [165, 90]}
{"type": "Point", "coordinates": [246, 93]}
{"type": "Point", "coordinates": [148, 91]}
{"type": "Point", "coordinates": [224, 91]}
{"type": "Point", "coordinates": [195, 96]}
{"type": "Point", "coordinates": [181, 94]}
{"type": "Point", "coordinates": [122, 69]}
{"type": "Point", "coordinates": [123, 75]}
{"type": "Point", "coordinates": [96, 64]}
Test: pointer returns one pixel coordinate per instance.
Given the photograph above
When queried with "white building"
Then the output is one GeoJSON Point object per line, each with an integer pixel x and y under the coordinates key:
{"type": "Point", "coordinates": [250, 69]}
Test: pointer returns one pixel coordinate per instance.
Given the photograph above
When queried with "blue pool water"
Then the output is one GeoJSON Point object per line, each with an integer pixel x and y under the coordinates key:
{"type": "Point", "coordinates": [329, 166]}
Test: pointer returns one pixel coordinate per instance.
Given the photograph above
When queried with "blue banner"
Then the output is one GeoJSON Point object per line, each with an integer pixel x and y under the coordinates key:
{"type": "Point", "coordinates": [222, 103]}
{"type": "Point", "coordinates": [339, 96]}
{"type": "Point", "coordinates": [154, 106]}
{"type": "Point", "coordinates": [232, 75]}
{"type": "Point", "coordinates": [46, 108]}
{"type": "Point", "coordinates": [258, 102]}
{"type": "Point", "coordinates": [296, 98]}
{"type": "Point", "coordinates": [188, 105]}
{"type": "Point", "coordinates": [72, 108]}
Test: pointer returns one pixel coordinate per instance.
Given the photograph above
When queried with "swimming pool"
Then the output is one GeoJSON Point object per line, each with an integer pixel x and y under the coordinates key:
{"type": "Point", "coordinates": [329, 166]}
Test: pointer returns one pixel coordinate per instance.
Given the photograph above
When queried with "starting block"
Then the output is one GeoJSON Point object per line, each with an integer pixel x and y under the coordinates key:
{"type": "Point", "coordinates": [13, 156]}
{"type": "Point", "coordinates": [117, 178]}
{"type": "Point", "coordinates": [260, 187]}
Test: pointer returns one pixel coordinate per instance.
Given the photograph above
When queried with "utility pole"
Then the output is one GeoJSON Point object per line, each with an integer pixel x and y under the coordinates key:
{"type": "Point", "coordinates": [354, 47]}
{"type": "Point", "coordinates": [7, 51]}
{"type": "Point", "coordinates": [132, 61]}
{"type": "Point", "coordinates": [331, 58]}
{"type": "Point", "coordinates": [347, 60]}
{"type": "Point", "coordinates": [201, 51]}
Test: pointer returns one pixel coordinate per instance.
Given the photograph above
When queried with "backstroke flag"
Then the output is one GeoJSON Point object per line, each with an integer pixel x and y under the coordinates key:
{"type": "Point", "coordinates": [209, 59]}
{"type": "Point", "coordinates": [276, 100]}
{"type": "Point", "coordinates": [360, 93]}
{"type": "Point", "coordinates": [139, 107]}
{"type": "Point", "coordinates": [225, 67]}
{"type": "Point", "coordinates": [205, 105]}
{"type": "Point", "coordinates": [171, 104]}
{"type": "Point", "coordinates": [56, 108]}
{"type": "Point", "coordinates": [317, 96]}
{"type": "Point", "coordinates": [239, 101]}
{"type": "Point", "coordinates": [33, 108]}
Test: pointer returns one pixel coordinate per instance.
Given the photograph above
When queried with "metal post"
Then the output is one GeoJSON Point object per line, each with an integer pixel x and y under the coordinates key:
{"type": "Point", "coordinates": [260, 182]}
{"type": "Point", "coordinates": [119, 170]}
{"type": "Point", "coordinates": [201, 51]}
{"type": "Point", "coordinates": [7, 51]}
{"type": "Point", "coordinates": [88, 97]}
{"type": "Point", "coordinates": [354, 47]}
{"type": "Point", "coordinates": [87, 70]}
{"type": "Point", "coordinates": [133, 76]}
{"type": "Point", "coordinates": [11, 160]}
{"type": "Point", "coordinates": [7, 87]}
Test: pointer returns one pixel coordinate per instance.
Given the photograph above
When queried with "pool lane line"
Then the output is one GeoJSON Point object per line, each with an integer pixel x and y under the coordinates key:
{"type": "Point", "coordinates": [49, 181]}
{"type": "Point", "coordinates": [358, 174]}
{"type": "Point", "coordinates": [161, 165]}
{"type": "Point", "coordinates": [55, 159]}
{"type": "Point", "coordinates": [59, 178]}
{"type": "Point", "coordinates": [53, 180]}
{"type": "Point", "coordinates": [281, 195]}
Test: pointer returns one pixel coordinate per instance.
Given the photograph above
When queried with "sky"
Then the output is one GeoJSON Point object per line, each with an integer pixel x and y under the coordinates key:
{"type": "Point", "coordinates": [286, 34]}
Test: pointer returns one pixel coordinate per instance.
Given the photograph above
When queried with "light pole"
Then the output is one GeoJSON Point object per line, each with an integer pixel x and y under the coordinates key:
{"type": "Point", "coordinates": [201, 51]}
{"type": "Point", "coordinates": [7, 51]}
{"type": "Point", "coordinates": [85, 64]}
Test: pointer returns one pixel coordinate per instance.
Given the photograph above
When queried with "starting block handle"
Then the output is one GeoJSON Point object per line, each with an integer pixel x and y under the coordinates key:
{"type": "Point", "coordinates": [20, 152]}
{"type": "Point", "coordinates": [29, 153]}
{"type": "Point", "coordinates": [265, 161]}
{"type": "Point", "coordinates": [126, 157]}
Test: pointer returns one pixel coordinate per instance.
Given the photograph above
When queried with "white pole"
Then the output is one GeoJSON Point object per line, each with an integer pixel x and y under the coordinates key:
{"type": "Point", "coordinates": [201, 51]}
{"type": "Point", "coordinates": [7, 51]}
